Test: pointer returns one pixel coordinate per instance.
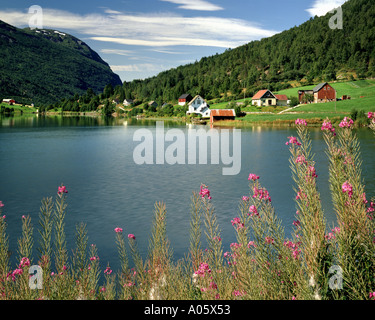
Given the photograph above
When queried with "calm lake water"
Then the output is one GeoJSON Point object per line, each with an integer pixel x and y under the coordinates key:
{"type": "Point", "coordinates": [93, 158]}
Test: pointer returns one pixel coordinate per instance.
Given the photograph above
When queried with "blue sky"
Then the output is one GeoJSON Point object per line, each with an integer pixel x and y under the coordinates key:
{"type": "Point", "coordinates": [140, 38]}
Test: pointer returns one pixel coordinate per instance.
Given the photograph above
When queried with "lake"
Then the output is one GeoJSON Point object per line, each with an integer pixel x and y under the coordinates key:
{"type": "Point", "coordinates": [94, 159]}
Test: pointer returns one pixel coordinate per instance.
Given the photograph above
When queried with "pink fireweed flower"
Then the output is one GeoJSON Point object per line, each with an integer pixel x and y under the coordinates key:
{"type": "Point", "coordinates": [25, 262]}
{"type": "Point", "coordinates": [261, 194]}
{"type": "Point", "coordinates": [253, 211]}
{"type": "Point", "coordinates": [327, 125]}
{"type": "Point", "coordinates": [301, 195]}
{"type": "Point", "coordinates": [346, 123]}
{"type": "Point", "coordinates": [251, 244]}
{"type": "Point", "coordinates": [108, 271]}
{"type": "Point", "coordinates": [253, 177]}
{"type": "Point", "coordinates": [16, 272]}
{"type": "Point", "coordinates": [296, 253]}
{"type": "Point", "coordinates": [293, 140]}
{"type": "Point", "coordinates": [117, 230]}
{"type": "Point", "coordinates": [236, 222]}
{"type": "Point", "coordinates": [245, 198]}
{"type": "Point", "coordinates": [312, 172]}
{"type": "Point", "coordinates": [1, 204]}
{"type": "Point", "coordinates": [131, 236]}
{"type": "Point", "coordinates": [301, 159]}
{"type": "Point", "coordinates": [347, 188]}
{"type": "Point", "coordinates": [238, 293]}
{"type": "Point", "coordinates": [205, 192]}
{"type": "Point", "coordinates": [203, 269]}
{"type": "Point", "coordinates": [213, 285]}
{"type": "Point", "coordinates": [371, 115]}
{"type": "Point", "coordinates": [62, 190]}
{"type": "Point", "coordinates": [301, 122]}
{"type": "Point", "coordinates": [296, 223]}
{"type": "Point", "coordinates": [269, 240]}
{"type": "Point", "coordinates": [235, 245]}
{"type": "Point", "coordinates": [372, 295]}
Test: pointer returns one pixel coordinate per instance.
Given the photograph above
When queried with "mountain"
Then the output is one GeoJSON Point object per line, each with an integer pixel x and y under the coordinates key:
{"type": "Point", "coordinates": [309, 53]}
{"type": "Point", "coordinates": [43, 66]}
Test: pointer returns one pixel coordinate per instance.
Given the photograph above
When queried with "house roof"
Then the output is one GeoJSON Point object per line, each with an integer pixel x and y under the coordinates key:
{"type": "Point", "coordinates": [196, 97]}
{"type": "Point", "coordinates": [184, 96]}
{"type": "Point", "coordinates": [319, 86]}
{"type": "Point", "coordinates": [282, 97]}
{"type": "Point", "coordinates": [223, 113]}
{"type": "Point", "coordinates": [260, 94]}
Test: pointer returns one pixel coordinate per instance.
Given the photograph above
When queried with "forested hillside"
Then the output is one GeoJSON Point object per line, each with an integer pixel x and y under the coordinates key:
{"type": "Point", "coordinates": [311, 52]}
{"type": "Point", "coordinates": [44, 66]}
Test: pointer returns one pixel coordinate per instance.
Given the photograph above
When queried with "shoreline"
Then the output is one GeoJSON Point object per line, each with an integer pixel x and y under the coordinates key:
{"type": "Point", "coordinates": [312, 122]}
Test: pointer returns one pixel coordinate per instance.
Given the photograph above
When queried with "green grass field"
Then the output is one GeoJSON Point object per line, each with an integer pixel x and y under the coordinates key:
{"type": "Point", "coordinates": [18, 108]}
{"type": "Point", "coordinates": [354, 89]}
{"type": "Point", "coordinates": [362, 93]}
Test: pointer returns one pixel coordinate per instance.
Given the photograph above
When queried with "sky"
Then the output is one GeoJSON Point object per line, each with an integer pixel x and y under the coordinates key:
{"type": "Point", "coordinates": [141, 38]}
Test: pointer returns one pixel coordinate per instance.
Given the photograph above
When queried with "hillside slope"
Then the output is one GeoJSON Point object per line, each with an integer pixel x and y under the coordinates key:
{"type": "Point", "coordinates": [43, 66]}
{"type": "Point", "coordinates": [311, 51]}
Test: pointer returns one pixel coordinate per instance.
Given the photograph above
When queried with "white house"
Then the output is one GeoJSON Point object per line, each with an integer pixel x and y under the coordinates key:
{"type": "Point", "coordinates": [267, 98]}
{"type": "Point", "coordinates": [128, 102]}
{"type": "Point", "coordinates": [199, 106]}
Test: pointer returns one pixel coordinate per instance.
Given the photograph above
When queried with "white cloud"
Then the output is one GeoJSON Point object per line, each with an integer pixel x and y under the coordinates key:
{"type": "Point", "coordinates": [117, 52]}
{"type": "Point", "coordinates": [321, 7]}
{"type": "Point", "coordinates": [141, 67]}
{"type": "Point", "coordinates": [200, 5]}
{"type": "Point", "coordinates": [150, 30]}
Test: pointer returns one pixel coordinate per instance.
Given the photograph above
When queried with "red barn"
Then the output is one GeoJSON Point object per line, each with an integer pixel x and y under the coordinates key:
{"type": "Point", "coordinates": [185, 98]}
{"type": "Point", "coordinates": [323, 92]}
{"type": "Point", "coordinates": [222, 114]}
{"type": "Point", "coordinates": [9, 101]}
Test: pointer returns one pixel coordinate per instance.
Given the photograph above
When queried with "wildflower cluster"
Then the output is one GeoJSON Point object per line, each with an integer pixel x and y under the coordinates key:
{"type": "Point", "coordinates": [301, 122]}
{"type": "Point", "coordinates": [262, 262]}
{"type": "Point", "coordinates": [327, 126]}
{"type": "Point", "coordinates": [346, 123]}
{"type": "Point", "coordinates": [293, 140]}
{"type": "Point", "coordinates": [205, 192]}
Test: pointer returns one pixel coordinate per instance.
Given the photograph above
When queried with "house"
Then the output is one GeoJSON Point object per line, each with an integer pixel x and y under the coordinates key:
{"type": "Point", "coordinates": [282, 100]}
{"type": "Point", "coordinates": [264, 98]}
{"type": "Point", "coordinates": [302, 93]}
{"type": "Point", "coordinates": [9, 101]}
{"type": "Point", "coordinates": [185, 98]}
{"type": "Point", "coordinates": [199, 106]}
{"type": "Point", "coordinates": [222, 114]}
{"type": "Point", "coordinates": [152, 104]}
{"type": "Point", "coordinates": [128, 102]}
{"type": "Point", "coordinates": [323, 92]}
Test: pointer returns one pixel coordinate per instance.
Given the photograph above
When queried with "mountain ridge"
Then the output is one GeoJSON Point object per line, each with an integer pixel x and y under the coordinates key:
{"type": "Point", "coordinates": [42, 65]}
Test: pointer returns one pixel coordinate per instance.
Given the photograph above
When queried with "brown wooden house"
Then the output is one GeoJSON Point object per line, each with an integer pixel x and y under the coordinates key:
{"type": "Point", "coordinates": [222, 114]}
{"type": "Point", "coordinates": [323, 92]}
